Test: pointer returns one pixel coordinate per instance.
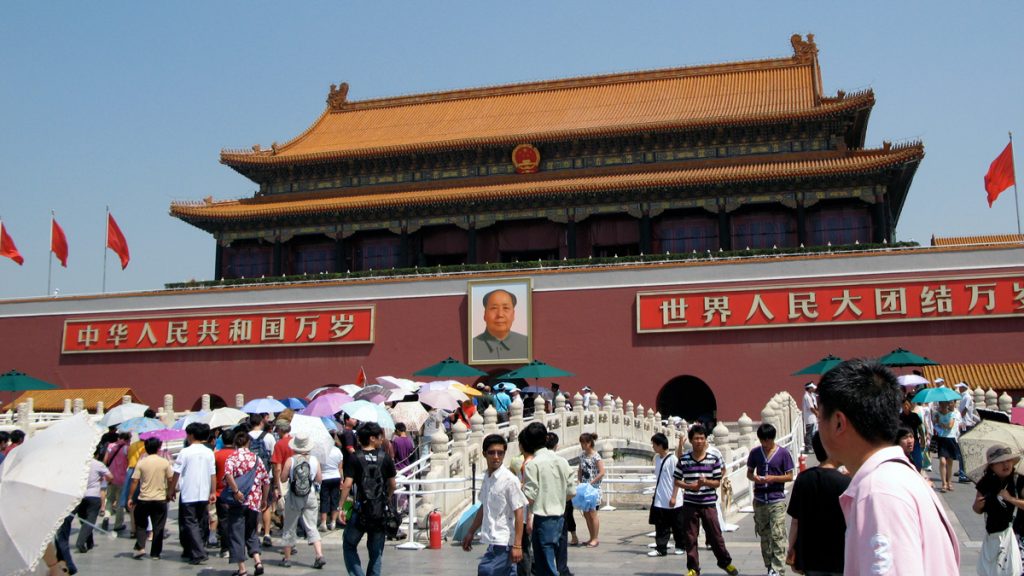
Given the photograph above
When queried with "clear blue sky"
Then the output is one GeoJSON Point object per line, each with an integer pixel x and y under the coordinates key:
{"type": "Point", "coordinates": [129, 103]}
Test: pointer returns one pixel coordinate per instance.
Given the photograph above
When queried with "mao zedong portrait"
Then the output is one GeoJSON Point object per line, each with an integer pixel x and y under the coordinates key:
{"type": "Point", "coordinates": [498, 341]}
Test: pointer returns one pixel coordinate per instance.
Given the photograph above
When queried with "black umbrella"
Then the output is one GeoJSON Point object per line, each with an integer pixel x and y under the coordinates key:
{"type": "Point", "coordinates": [450, 368]}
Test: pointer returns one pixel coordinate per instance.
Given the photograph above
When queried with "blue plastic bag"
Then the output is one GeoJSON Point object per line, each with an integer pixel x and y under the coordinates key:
{"type": "Point", "coordinates": [587, 497]}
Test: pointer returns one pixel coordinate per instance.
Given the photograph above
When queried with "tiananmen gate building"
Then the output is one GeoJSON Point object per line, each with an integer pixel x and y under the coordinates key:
{"type": "Point", "coordinates": [684, 238]}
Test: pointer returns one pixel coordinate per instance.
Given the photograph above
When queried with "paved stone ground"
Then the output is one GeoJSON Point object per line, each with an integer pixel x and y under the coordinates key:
{"type": "Point", "coordinates": [622, 551]}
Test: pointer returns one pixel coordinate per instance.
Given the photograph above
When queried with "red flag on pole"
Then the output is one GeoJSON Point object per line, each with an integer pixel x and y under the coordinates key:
{"type": "Point", "coordinates": [116, 241]}
{"type": "Point", "coordinates": [7, 247]}
{"type": "Point", "coordinates": [1000, 174]}
{"type": "Point", "coordinates": [361, 377]}
{"type": "Point", "coordinates": [58, 242]}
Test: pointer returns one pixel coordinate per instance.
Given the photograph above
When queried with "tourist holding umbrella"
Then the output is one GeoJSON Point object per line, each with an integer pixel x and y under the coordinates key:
{"type": "Point", "coordinates": [999, 496]}
{"type": "Point", "coordinates": [947, 430]}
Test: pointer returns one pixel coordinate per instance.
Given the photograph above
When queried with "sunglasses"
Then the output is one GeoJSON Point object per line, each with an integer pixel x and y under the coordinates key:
{"type": "Point", "coordinates": [495, 453]}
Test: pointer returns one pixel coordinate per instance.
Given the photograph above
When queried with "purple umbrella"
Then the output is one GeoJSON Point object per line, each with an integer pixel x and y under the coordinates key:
{"type": "Point", "coordinates": [164, 435]}
{"type": "Point", "coordinates": [327, 404]}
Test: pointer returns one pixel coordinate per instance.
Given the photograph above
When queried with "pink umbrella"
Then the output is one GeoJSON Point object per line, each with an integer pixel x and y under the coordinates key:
{"type": "Point", "coordinates": [327, 404]}
{"type": "Point", "coordinates": [164, 435]}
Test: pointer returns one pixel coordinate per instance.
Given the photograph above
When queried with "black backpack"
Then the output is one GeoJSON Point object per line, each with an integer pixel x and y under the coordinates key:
{"type": "Point", "coordinates": [372, 495]}
{"type": "Point", "coordinates": [259, 448]}
{"type": "Point", "coordinates": [301, 481]}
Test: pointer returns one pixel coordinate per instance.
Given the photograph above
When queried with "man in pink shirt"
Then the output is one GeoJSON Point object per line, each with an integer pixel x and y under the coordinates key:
{"type": "Point", "coordinates": [895, 524]}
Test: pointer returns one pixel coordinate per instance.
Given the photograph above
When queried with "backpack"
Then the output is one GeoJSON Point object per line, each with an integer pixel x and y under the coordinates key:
{"type": "Point", "coordinates": [259, 448]}
{"type": "Point", "coordinates": [301, 481]}
{"type": "Point", "coordinates": [372, 497]}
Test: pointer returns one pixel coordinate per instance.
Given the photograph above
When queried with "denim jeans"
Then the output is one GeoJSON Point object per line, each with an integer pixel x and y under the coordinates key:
{"type": "Point", "coordinates": [374, 545]}
{"type": "Point", "coordinates": [496, 562]}
{"type": "Point", "coordinates": [546, 532]}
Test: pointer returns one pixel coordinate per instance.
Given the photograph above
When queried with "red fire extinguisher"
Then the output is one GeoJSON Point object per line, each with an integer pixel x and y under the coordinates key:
{"type": "Point", "coordinates": [434, 519]}
{"type": "Point", "coordinates": [803, 462]}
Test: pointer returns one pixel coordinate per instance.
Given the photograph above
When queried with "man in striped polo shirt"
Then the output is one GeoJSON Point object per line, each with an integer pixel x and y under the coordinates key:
{"type": "Point", "coordinates": [699, 473]}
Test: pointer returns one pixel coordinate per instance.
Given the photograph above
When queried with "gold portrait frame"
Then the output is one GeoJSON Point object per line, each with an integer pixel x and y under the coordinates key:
{"type": "Point", "coordinates": [482, 348]}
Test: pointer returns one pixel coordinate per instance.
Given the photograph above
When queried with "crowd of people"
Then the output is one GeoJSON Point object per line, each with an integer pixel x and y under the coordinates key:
{"type": "Point", "coordinates": [867, 508]}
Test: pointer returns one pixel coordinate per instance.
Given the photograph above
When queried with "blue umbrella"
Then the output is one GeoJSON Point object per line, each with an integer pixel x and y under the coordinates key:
{"type": "Point", "coordinates": [465, 521]}
{"type": "Point", "coordinates": [295, 403]}
{"type": "Point", "coordinates": [940, 394]}
{"type": "Point", "coordinates": [263, 406]}
{"type": "Point", "coordinates": [184, 421]}
{"type": "Point", "coordinates": [140, 425]}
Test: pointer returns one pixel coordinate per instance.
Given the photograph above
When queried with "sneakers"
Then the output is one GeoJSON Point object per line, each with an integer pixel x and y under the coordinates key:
{"type": "Point", "coordinates": [267, 541]}
{"type": "Point", "coordinates": [731, 570]}
{"type": "Point", "coordinates": [772, 572]}
{"type": "Point", "coordinates": [322, 528]}
{"type": "Point", "coordinates": [963, 479]}
{"type": "Point", "coordinates": [285, 563]}
{"type": "Point", "coordinates": [680, 552]}
{"type": "Point", "coordinates": [319, 562]}
{"type": "Point", "coordinates": [652, 545]}
{"type": "Point", "coordinates": [692, 572]}
{"type": "Point", "coordinates": [655, 554]}
{"type": "Point", "coordinates": [138, 554]}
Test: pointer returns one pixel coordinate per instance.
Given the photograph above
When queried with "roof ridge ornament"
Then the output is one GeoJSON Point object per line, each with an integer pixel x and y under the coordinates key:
{"type": "Point", "coordinates": [337, 97]}
{"type": "Point", "coordinates": [804, 50]}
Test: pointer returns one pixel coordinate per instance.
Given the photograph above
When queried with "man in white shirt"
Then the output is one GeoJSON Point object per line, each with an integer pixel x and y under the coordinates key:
{"type": "Point", "coordinates": [500, 516]}
{"type": "Point", "coordinates": [667, 507]}
{"type": "Point", "coordinates": [969, 419]}
{"type": "Point", "coordinates": [195, 474]}
{"type": "Point", "coordinates": [810, 413]}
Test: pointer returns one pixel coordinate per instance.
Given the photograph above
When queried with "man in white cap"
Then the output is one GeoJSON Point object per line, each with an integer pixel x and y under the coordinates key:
{"type": "Point", "coordinates": [810, 413]}
{"type": "Point", "coordinates": [969, 419]}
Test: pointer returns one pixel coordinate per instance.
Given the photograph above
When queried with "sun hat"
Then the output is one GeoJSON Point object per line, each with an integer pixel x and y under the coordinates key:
{"type": "Point", "coordinates": [301, 443]}
{"type": "Point", "coordinates": [999, 452]}
{"type": "Point", "coordinates": [810, 386]}
{"type": "Point", "coordinates": [586, 389]}
{"type": "Point", "coordinates": [961, 385]}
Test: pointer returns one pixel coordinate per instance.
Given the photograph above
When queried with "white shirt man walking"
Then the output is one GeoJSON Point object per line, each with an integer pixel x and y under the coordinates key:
{"type": "Point", "coordinates": [502, 506]}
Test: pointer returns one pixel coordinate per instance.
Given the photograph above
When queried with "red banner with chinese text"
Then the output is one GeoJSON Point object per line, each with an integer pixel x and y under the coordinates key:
{"type": "Point", "coordinates": [247, 329]}
{"type": "Point", "coordinates": [781, 306]}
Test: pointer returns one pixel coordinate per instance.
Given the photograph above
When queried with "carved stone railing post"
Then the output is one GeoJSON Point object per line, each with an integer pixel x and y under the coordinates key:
{"type": "Point", "coordinates": [126, 399]}
{"type": "Point", "coordinates": [169, 415]}
{"type": "Point", "coordinates": [515, 414]}
{"type": "Point", "coordinates": [67, 406]}
{"type": "Point", "coordinates": [539, 408]}
{"type": "Point", "coordinates": [438, 470]}
{"type": "Point", "coordinates": [747, 437]}
{"type": "Point", "coordinates": [204, 402]}
{"type": "Point", "coordinates": [979, 397]}
{"type": "Point", "coordinates": [100, 408]}
{"type": "Point", "coordinates": [239, 401]}
{"type": "Point", "coordinates": [24, 418]}
{"type": "Point", "coordinates": [78, 405]}
{"type": "Point", "coordinates": [1005, 402]}
{"type": "Point", "coordinates": [490, 421]}
{"type": "Point", "coordinates": [991, 399]}
{"type": "Point", "coordinates": [722, 441]}
{"type": "Point", "coordinates": [577, 403]}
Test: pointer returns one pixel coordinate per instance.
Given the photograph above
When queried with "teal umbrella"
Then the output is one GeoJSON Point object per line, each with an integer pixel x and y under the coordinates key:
{"type": "Point", "coordinates": [939, 394]}
{"type": "Point", "coordinates": [821, 366]}
{"type": "Point", "coordinates": [536, 369]}
{"type": "Point", "coordinates": [902, 357]}
{"type": "Point", "coordinates": [15, 381]}
{"type": "Point", "coordinates": [450, 368]}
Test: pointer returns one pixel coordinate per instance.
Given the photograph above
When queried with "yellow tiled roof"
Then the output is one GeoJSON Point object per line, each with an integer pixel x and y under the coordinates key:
{"type": "Point", "coordinates": [53, 400]}
{"type": "Point", "coordinates": [1005, 376]}
{"type": "Point", "coordinates": [828, 163]}
{"type": "Point", "coordinates": [732, 93]}
{"type": "Point", "coordinates": [975, 240]}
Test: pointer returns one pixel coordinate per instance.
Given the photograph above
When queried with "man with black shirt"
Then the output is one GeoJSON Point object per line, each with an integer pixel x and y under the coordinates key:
{"type": "Point", "coordinates": [817, 528]}
{"type": "Point", "coordinates": [368, 466]}
{"type": "Point", "coordinates": [912, 420]}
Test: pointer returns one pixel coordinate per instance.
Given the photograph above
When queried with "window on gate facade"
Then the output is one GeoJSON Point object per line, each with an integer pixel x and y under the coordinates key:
{"type": "Point", "coordinates": [763, 230]}
{"type": "Point", "coordinates": [845, 225]}
{"type": "Point", "coordinates": [248, 261]}
{"type": "Point", "coordinates": [378, 254]}
{"type": "Point", "coordinates": [686, 235]}
{"type": "Point", "coordinates": [313, 259]}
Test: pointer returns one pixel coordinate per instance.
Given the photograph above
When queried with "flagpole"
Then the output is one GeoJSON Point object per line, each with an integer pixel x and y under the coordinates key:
{"type": "Point", "coordinates": [106, 240]}
{"type": "Point", "coordinates": [49, 267]}
{"type": "Point", "coordinates": [1016, 203]}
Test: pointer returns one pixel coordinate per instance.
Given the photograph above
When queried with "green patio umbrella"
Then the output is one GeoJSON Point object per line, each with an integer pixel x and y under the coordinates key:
{"type": "Point", "coordinates": [901, 357]}
{"type": "Point", "coordinates": [15, 381]}
{"type": "Point", "coordinates": [450, 368]}
{"type": "Point", "coordinates": [821, 366]}
{"type": "Point", "coordinates": [536, 369]}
